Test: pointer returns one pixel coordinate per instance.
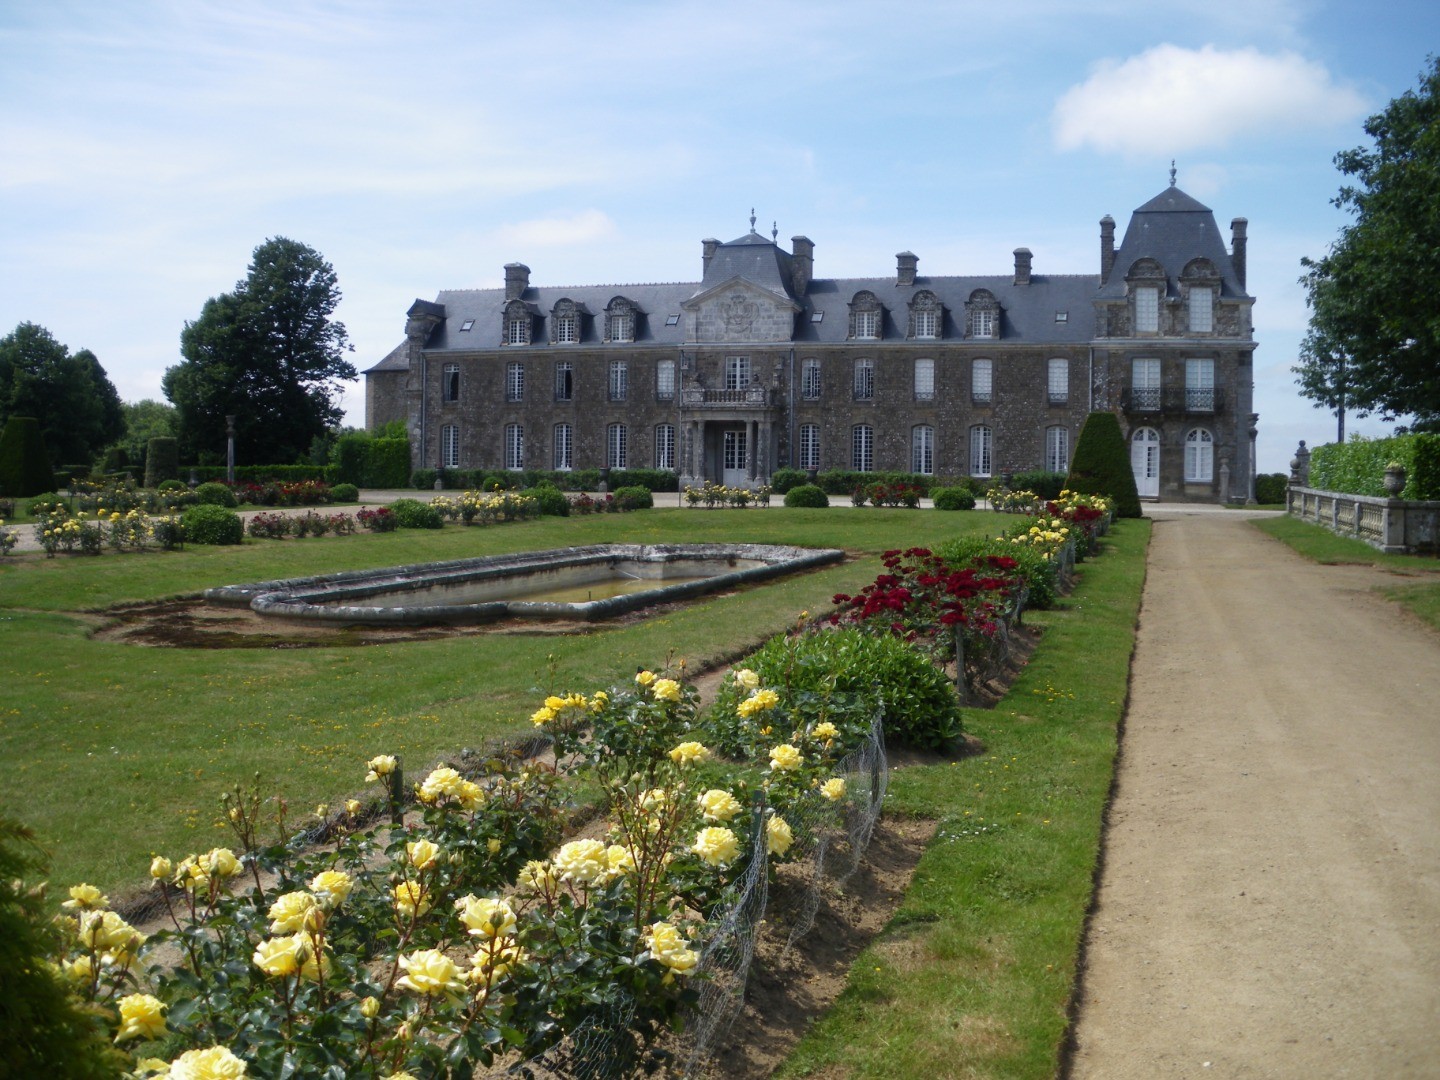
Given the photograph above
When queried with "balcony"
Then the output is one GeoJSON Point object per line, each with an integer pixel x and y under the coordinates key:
{"type": "Point", "coordinates": [1154, 401]}
{"type": "Point", "coordinates": [752, 397]}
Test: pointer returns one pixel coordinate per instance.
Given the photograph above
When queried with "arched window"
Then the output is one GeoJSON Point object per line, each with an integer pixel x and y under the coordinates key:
{"type": "Point", "coordinates": [1199, 456]}
{"type": "Point", "coordinates": [982, 315]}
{"type": "Point", "coordinates": [925, 316]}
{"type": "Point", "coordinates": [922, 449]}
{"type": "Point", "coordinates": [867, 316]}
{"type": "Point", "coordinates": [565, 323]}
{"type": "Point", "coordinates": [518, 323]}
{"type": "Point", "coordinates": [620, 320]}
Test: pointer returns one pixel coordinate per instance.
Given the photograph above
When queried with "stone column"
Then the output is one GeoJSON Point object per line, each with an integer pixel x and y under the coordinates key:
{"type": "Point", "coordinates": [752, 447]}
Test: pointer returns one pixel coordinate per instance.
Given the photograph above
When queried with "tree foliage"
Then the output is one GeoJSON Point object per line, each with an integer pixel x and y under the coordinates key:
{"type": "Point", "coordinates": [1101, 465]}
{"type": "Point", "coordinates": [1374, 338]}
{"type": "Point", "coordinates": [70, 395]}
{"type": "Point", "coordinates": [268, 354]}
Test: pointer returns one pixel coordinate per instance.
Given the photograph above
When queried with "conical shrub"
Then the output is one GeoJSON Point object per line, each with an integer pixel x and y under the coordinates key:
{"type": "Point", "coordinates": [1101, 465]}
{"type": "Point", "coordinates": [24, 464]}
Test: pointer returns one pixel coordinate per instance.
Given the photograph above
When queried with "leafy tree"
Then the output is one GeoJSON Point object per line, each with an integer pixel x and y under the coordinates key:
{"type": "Point", "coordinates": [1374, 338]}
{"type": "Point", "coordinates": [24, 465]}
{"type": "Point", "coordinates": [268, 354]}
{"type": "Point", "coordinates": [145, 420]}
{"type": "Point", "coordinates": [77, 406]}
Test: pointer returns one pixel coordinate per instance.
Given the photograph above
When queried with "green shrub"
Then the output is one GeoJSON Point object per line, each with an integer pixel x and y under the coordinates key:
{"type": "Point", "coordinates": [1047, 485]}
{"type": "Point", "coordinates": [388, 464]}
{"type": "Point", "coordinates": [350, 455]}
{"type": "Point", "coordinates": [634, 497]}
{"type": "Point", "coordinates": [1357, 467]}
{"type": "Point", "coordinates": [43, 501]}
{"type": "Point", "coordinates": [345, 493]}
{"type": "Point", "coordinates": [162, 461]}
{"type": "Point", "coordinates": [782, 480]}
{"type": "Point", "coordinates": [414, 514]}
{"type": "Point", "coordinates": [649, 479]}
{"type": "Point", "coordinates": [212, 524]}
{"type": "Point", "coordinates": [171, 485]}
{"type": "Point", "coordinates": [1042, 587]}
{"type": "Point", "coordinates": [845, 482]}
{"type": "Point", "coordinates": [213, 493]}
{"type": "Point", "coordinates": [1270, 488]}
{"type": "Point", "coordinates": [552, 500]}
{"type": "Point", "coordinates": [953, 498]}
{"type": "Point", "coordinates": [1101, 465]}
{"type": "Point", "coordinates": [499, 481]}
{"type": "Point", "coordinates": [24, 464]}
{"type": "Point", "coordinates": [806, 495]}
{"type": "Point", "coordinates": [423, 479]}
{"type": "Point", "coordinates": [852, 673]}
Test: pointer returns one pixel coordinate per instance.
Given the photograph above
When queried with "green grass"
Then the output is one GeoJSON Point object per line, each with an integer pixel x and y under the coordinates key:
{"type": "Point", "coordinates": [115, 751]}
{"type": "Point", "coordinates": [974, 974]}
{"type": "Point", "coordinates": [1319, 544]}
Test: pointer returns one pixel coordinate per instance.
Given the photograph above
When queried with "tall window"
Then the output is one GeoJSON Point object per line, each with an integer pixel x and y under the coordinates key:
{"type": "Point", "coordinates": [665, 380]}
{"type": "Point", "coordinates": [567, 328]}
{"type": "Point", "coordinates": [1145, 385]}
{"type": "Point", "coordinates": [514, 446]}
{"type": "Point", "coordinates": [867, 325]}
{"type": "Point", "coordinates": [1058, 381]}
{"type": "Point", "coordinates": [617, 452]}
{"type": "Point", "coordinates": [564, 381]}
{"type": "Point", "coordinates": [514, 382]}
{"type": "Point", "coordinates": [1200, 385]}
{"type": "Point", "coordinates": [563, 459]}
{"type": "Point", "coordinates": [450, 383]}
{"type": "Point", "coordinates": [1199, 456]}
{"type": "Point", "coordinates": [924, 380]}
{"type": "Point", "coordinates": [517, 330]}
{"type": "Point", "coordinates": [1147, 310]}
{"type": "Point", "coordinates": [809, 446]}
{"type": "Point", "coordinates": [864, 380]}
{"type": "Point", "coordinates": [665, 446]}
{"type": "Point", "coordinates": [981, 382]}
{"type": "Point", "coordinates": [922, 449]}
{"type": "Point", "coordinates": [862, 448]}
{"type": "Point", "coordinates": [980, 450]}
{"type": "Point", "coordinates": [1202, 310]}
{"type": "Point", "coordinates": [810, 380]}
{"type": "Point", "coordinates": [450, 446]}
{"type": "Point", "coordinates": [927, 324]}
{"type": "Point", "coordinates": [982, 323]}
{"type": "Point", "coordinates": [737, 372]}
{"type": "Point", "coordinates": [619, 380]}
{"type": "Point", "coordinates": [1057, 449]}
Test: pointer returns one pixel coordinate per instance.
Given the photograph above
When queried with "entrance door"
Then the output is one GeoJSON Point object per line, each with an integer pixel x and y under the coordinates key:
{"type": "Point", "coordinates": [733, 472]}
{"type": "Point", "coordinates": [1145, 461]}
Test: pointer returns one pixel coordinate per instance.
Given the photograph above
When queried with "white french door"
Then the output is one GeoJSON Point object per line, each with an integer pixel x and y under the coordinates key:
{"type": "Point", "coordinates": [1145, 461]}
{"type": "Point", "coordinates": [733, 466]}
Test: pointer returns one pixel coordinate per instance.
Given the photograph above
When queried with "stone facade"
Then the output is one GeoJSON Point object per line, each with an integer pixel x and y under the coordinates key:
{"type": "Point", "coordinates": [761, 364]}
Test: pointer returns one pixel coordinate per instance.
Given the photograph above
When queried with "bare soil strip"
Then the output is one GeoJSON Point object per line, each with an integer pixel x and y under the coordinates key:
{"type": "Point", "coordinates": [1270, 900]}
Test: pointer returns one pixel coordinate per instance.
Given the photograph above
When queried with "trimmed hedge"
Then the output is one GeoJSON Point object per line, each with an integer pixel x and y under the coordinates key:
{"type": "Point", "coordinates": [209, 524]}
{"type": "Point", "coordinates": [413, 514]}
{"type": "Point", "coordinates": [214, 493]}
{"type": "Point", "coordinates": [1357, 467]}
{"type": "Point", "coordinates": [261, 474]}
{"type": "Point", "coordinates": [1047, 485]}
{"type": "Point", "coordinates": [1270, 488]}
{"type": "Point", "coordinates": [953, 498]}
{"type": "Point", "coordinates": [845, 481]}
{"type": "Point", "coordinates": [24, 464]}
{"type": "Point", "coordinates": [634, 497]}
{"type": "Point", "coordinates": [344, 493]}
{"type": "Point", "coordinates": [782, 480]}
{"type": "Point", "coordinates": [551, 499]}
{"type": "Point", "coordinates": [1101, 465]}
{"type": "Point", "coordinates": [807, 495]}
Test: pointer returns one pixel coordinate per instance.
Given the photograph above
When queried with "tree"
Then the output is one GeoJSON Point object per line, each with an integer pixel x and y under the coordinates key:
{"type": "Point", "coordinates": [268, 354]}
{"type": "Point", "coordinates": [77, 406]}
{"type": "Point", "coordinates": [1374, 338]}
{"type": "Point", "coordinates": [24, 465]}
{"type": "Point", "coordinates": [145, 420]}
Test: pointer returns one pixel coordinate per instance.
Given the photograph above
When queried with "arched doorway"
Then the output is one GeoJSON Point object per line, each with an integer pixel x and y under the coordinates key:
{"type": "Point", "coordinates": [1145, 461]}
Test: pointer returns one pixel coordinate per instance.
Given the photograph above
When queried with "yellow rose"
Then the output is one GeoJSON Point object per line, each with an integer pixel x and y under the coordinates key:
{"type": "Point", "coordinates": [833, 789]}
{"type": "Point", "coordinates": [666, 690]}
{"type": "Point", "coordinates": [536, 876]}
{"type": "Point", "coordinates": [541, 717]}
{"type": "Point", "coordinates": [443, 781]}
{"type": "Point", "coordinates": [220, 862]}
{"type": "Point", "coordinates": [352, 807]}
{"type": "Point", "coordinates": [109, 934]}
{"type": "Point", "coordinates": [160, 868]}
{"type": "Point", "coordinates": [291, 912]}
{"type": "Point", "coordinates": [141, 1017]}
{"type": "Point", "coordinates": [79, 970]}
{"type": "Point", "coordinates": [421, 854]}
{"type": "Point", "coordinates": [470, 795]}
{"type": "Point", "coordinates": [494, 961]}
{"type": "Point", "coordinates": [493, 846]}
{"type": "Point", "coordinates": [688, 753]}
{"type": "Point", "coordinates": [778, 836]}
{"type": "Point", "coordinates": [369, 1008]}
{"type": "Point", "coordinates": [410, 899]}
{"type": "Point", "coordinates": [669, 947]}
{"type": "Point", "coordinates": [653, 799]}
{"type": "Point", "coordinates": [718, 804]}
{"type": "Point", "coordinates": [430, 972]}
{"type": "Point", "coordinates": [490, 917]}
{"type": "Point", "coordinates": [825, 731]}
{"type": "Point", "coordinates": [584, 861]}
{"type": "Point", "coordinates": [277, 957]}
{"type": "Point", "coordinates": [645, 678]}
{"type": "Point", "coordinates": [760, 701]}
{"type": "Point", "coordinates": [716, 845]}
{"type": "Point", "coordinates": [86, 898]}
{"type": "Point", "coordinates": [379, 766]}
{"type": "Point", "coordinates": [785, 758]}
{"type": "Point", "coordinates": [748, 679]}
{"type": "Point", "coordinates": [216, 1063]}
{"type": "Point", "coordinates": [331, 887]}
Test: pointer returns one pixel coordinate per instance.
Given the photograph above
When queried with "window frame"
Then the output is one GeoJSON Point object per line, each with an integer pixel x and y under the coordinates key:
{"type": "Point", "coordinates": [665, 380]}
{"type": "Point", "coordinates": [617, 446]}
{"type": "Point", "coordinates": [922, 449]}
{"type": "Point", "coordinates": [1057, 380]}
{"type": "Point", "coordinates": [665, 446]}
{"type": "Point", "coordinates": [618, 380]}
{"type": "Point", "coordinates": [863, 385]}
{"type": "Point", "coordinates": [1147, 309]}
{"type": "Point", "coordinates": [809, 446]}
{"type": "Point", "coordinates": [450, 384]}
{"type": "Point", "coordinates": [979, 395]}
{"type": "Point", "coordinates": [515, 447]}
{"type": "Point", "coordinates": [1200, 384]}
{"type": "Point", "coordinates": [1199, 456]}
{"type": "Point", "coordinates": [1057, 448]}
{"type": "Point", "coordinates": [564, 380]}
{"type": "Point", "coordinates": [562, 447]}
{"type": "Point", "coordinates": [737, 372]}
{"type": "Point", "coordinates": [515, 381]}
{"type": "Point", "coordinates": [924, 383]}
{"type": "Point", "coordinates": [810, 381]}
{"type": "Point", "coordinates": [1200, 308]}
{"type": "Point", "coordinates": [450, 446]}
{"type": "Point", "coordinates": [517, 330]}
{"type": "Point", "coordinates": [862, 448]}
{"type": "Point", "coordinates": [982, 451]}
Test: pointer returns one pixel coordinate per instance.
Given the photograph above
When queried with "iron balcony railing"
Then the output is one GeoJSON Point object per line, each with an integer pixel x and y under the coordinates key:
{"type": "Point", "coordinates": [1173, 402]}
{"type": "Point", "coordinates": [752, 397]}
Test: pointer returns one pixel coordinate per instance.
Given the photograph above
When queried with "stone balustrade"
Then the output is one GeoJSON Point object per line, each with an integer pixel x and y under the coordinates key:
{"type": "Point", "coordinates": [1395, 526]}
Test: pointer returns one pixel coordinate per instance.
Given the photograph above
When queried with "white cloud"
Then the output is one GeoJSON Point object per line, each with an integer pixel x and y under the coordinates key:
{"type": "Point", "coordinates": [1170, 99]}
{"type": "Point", "coordinates": [585, 227]}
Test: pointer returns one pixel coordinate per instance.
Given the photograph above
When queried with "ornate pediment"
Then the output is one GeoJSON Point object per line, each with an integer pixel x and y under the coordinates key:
{"type": "Point", "coordinates": [740, 311]}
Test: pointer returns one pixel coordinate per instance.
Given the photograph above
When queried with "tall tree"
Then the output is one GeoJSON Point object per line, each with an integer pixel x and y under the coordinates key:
{"type": "Point", "coordinates": [1374, 338]}
{"type": "Point", "coordinates": [76, 403]}
{"type": "Point", "coordinates": [268, 354]}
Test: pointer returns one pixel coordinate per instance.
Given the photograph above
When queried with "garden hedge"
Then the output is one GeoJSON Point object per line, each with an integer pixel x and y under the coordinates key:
{"type": "Point", "coordinates": [1357, 467]}
{"type": "Point", "coordinates": [24, 464]}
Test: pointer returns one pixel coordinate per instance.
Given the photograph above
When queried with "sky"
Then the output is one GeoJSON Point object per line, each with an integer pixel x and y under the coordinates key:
{"type": "Point", "coordinates": [147, 148]}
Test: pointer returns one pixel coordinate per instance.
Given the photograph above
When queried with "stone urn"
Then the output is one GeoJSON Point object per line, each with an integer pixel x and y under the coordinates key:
{"type": "Point", "coordinates": [1394, 479]}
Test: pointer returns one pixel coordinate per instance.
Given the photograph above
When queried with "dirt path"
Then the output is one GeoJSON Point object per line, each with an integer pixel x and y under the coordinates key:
{"type": "Point", "coordinates": [1270, 901]}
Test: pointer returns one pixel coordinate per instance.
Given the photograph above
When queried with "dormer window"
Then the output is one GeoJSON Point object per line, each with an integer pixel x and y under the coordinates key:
{"type": "Point", "coordinates": [925, 317]}
{"type": "Point", "coordinates": [982, 316]}
{"type": "Point", "coordinates": [567, 328]}
{"type": "Point", "coordinates": [620, 320]}
{"type": "Point", "coordinates": [865, 317]}
{"type": "Point", "coordinates": [1200, 281]}
{"type": "Point", "coordinates": [518, 323]}
{"type": "Point", "coordinates": [1202, 310]}
{"type": "Point", "coordinates": [1147, 280]}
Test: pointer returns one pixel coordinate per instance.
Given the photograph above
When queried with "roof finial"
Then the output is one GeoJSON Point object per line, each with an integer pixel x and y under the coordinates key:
{"type": "Point", "coordinates": [1172, 172]}
{"type": "Point", "coordinates": [774, 232]}
{"type": "Point", "coordinates": [752, 219]}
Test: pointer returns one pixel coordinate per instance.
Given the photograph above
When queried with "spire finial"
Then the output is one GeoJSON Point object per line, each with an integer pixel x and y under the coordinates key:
{"type": "Point", "coordinates": [1172, 172]}
{"type": "Point", "coordinates": [752, 219]}
{"type": "Point", "coordinates": [774, 232]}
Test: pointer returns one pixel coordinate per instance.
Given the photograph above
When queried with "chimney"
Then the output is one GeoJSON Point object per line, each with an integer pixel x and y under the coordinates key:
{"type": "Point", "coordinates": [802, 263]}
{"type": "Point", "coordinates": [517, 280]}
{"type": "Point", "coordinates": [1237, 248]}
{"type": "Point", "coordinates": [1022, 266]}
{"type": "Point", "coordinates": [1107, 247]}
{"type": "Point", "coordinates": [905, 268]}
{"type": "Point", "coordinates": [707, 252]}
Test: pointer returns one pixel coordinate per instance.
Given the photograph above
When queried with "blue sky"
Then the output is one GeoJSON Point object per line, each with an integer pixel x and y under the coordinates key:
{"type": "Point", "coordinates": [147, 148]}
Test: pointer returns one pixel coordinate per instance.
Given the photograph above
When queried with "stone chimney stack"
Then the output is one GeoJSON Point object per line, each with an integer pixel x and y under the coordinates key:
{"type": "Point", "coordinates": [905, 263]}
{"type": "Point", "coordinates": [707, 253]}
{"type": "Point", "coordinates": [802, 263]}
{"type": "Point", "coordinates": [1022, 266]}
{"type": "Point", "coordinates": [517, 280]}
{"type": "Point", "coordinates": [1107, 247]}
{"type": "Point", "coordinates": [1237, 247]}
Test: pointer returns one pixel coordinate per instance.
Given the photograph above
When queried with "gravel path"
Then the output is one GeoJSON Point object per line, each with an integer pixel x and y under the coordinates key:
{"type": "Point", "coordinates": [1270, 899]}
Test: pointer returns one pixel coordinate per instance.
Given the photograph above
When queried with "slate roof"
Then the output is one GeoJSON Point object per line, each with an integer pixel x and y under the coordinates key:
{"type": "Point", "coordinates": [1172, 229]}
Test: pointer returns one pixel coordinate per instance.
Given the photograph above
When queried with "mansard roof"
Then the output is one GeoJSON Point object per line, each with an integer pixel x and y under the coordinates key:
{"type": "Point", "coordinates": [1173, 228]}
{"type": "Point", "coordinates": [755, 259]}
